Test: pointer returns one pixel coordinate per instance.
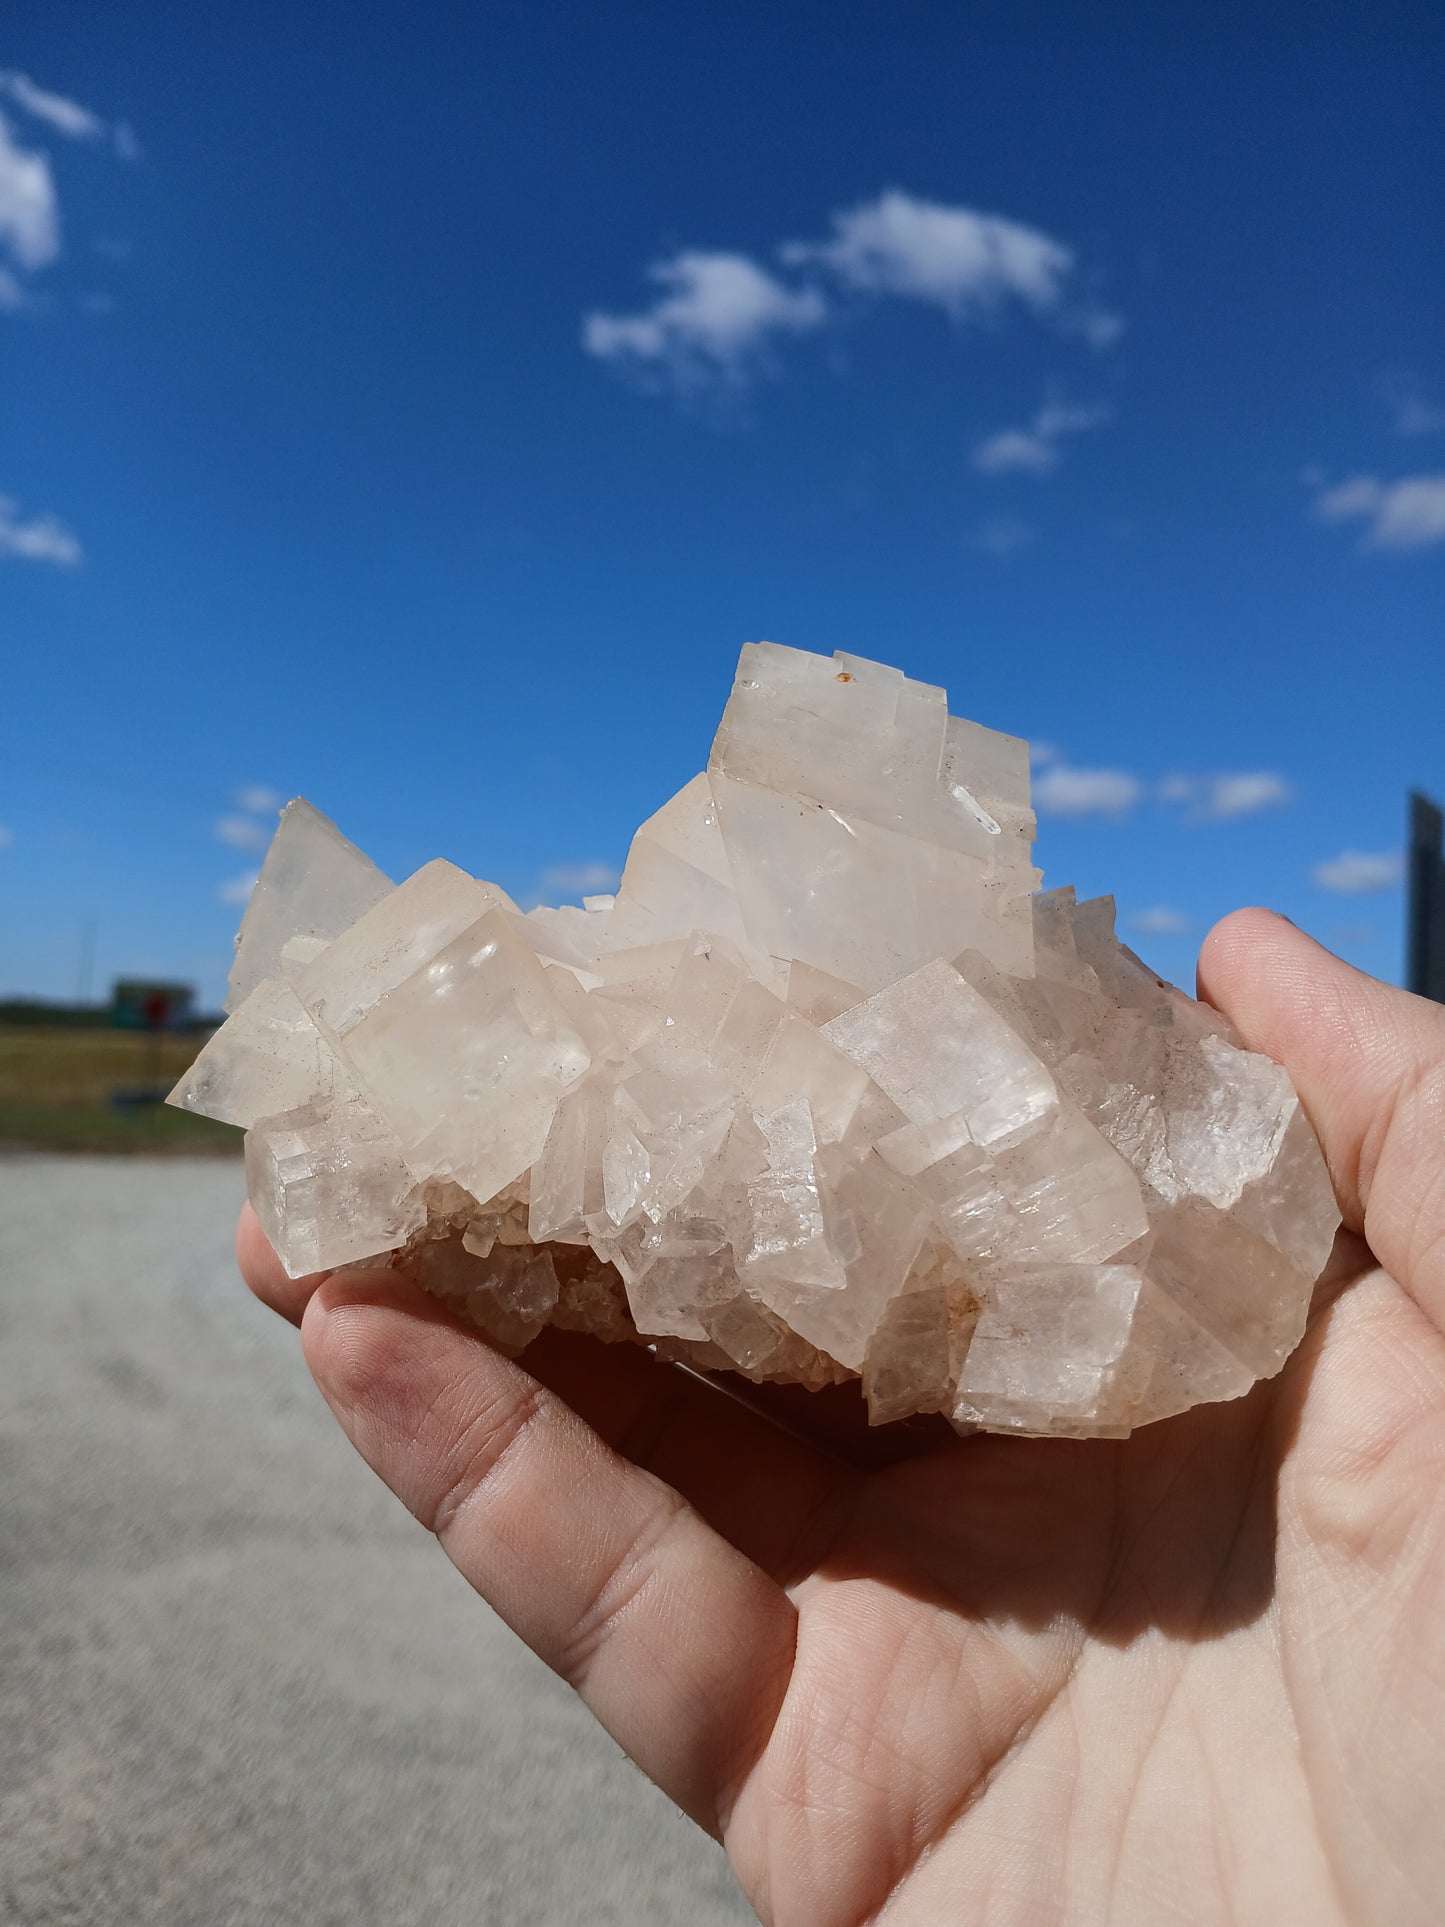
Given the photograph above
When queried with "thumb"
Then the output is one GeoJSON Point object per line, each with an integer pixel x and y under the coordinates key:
{"type": "Point", "coordinates": [1369, 1064]}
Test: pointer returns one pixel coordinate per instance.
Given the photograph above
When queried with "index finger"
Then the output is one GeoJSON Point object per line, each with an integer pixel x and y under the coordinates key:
{"type": "Point", "coordinates": [680, 1644]}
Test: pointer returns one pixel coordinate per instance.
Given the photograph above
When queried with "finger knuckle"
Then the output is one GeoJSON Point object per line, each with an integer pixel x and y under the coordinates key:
{"type": "Point", "coordinates": [620, 1585]}
{"type": "Point", "coordinates": [479, 1448]}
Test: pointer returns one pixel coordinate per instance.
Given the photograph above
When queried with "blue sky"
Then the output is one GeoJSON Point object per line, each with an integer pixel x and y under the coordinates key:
{"type": "Point", "coordinates": [417, 409]}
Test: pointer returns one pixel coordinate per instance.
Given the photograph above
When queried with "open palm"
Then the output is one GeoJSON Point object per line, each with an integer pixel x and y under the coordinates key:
{"type": "Point", "coordinates": [1194, 1675]}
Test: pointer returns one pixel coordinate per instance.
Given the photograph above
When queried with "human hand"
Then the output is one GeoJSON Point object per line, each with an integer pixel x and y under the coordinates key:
{"type": "Point", "coordinates": [1198, 1674]}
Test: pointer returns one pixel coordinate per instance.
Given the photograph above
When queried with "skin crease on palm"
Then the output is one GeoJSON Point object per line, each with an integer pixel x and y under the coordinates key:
{"type": "Point", "coordinates": [1196, 1675]}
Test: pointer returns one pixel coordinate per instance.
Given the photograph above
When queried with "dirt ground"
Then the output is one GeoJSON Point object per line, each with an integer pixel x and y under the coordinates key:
{"type": "Point", "coordinates": [237, 1684]}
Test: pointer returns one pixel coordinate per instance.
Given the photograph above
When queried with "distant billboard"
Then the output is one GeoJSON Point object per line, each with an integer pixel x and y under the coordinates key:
{"type": "Point", "coordinates": [136, 1004]}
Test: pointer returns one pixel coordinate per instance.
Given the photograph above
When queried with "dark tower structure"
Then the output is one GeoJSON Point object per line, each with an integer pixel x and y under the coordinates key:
{"type": "Point", "coordinates": [1425, 932]}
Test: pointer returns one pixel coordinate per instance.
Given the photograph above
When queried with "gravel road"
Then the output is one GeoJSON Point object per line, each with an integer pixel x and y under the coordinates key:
{"type": "Point", "coordinates": [237, 1684]}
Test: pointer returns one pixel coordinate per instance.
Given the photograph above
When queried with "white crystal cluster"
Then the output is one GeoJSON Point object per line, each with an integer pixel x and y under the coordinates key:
{"type": "Point", "coordinates": [827, 1091]}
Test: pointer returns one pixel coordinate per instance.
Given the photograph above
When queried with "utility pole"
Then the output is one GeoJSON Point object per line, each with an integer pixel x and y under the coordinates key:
{"type": "Point", "coordinates": [85, 975]}
{"type": "Point", "coordinates": [1425, 929]}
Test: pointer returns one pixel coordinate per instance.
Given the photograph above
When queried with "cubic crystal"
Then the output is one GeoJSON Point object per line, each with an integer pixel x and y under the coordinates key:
{"type": "Point", "coordinates": [826, 1091]}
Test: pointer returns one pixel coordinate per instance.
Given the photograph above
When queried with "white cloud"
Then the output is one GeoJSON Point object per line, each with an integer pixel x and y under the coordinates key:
{"type": "Point", "coordinates": [44, 538]}
{"type": "Point", "coordinates": [1416, 415]}
{"type": "Point", "coordinates": [1035, 450]}
{"type": "Point", "coordinates": [1354, 872]}
{"type": "Point", "coordinates": [1229, 794]}
{"type": "Point", "coordinates": [67, 117]}
{"type": "Point", "coordinates": [1413, 410]}
{"type": "Point", "coordinates": [1405, 514]}
{"type": "Point", "coordinates": [717, 312]}
{"type": "Point", "coordinates": [1003, 536]}
{"type": "Point", "coordinates": [1042, 754]}
{"type": "Point", "coordinates": [1063, 791]}
{"type": "Point", "coordinates": [1015, 451]}
{"type": "Point", "coordinates": [1160, 921]}
{"type": "Point", "coordinates": [29, 209]}
{"type": "Point", "coordinates": [238, 889]}
{"type": "Point", "coordinates": [962, 261]}
{"type": "Point", "coordinates": [1245, 793]}
{"type": "Point", "coordinates": [1411, 514]}
{"type": "Point", "coordinates": [1058, 418]}
{"type": "Point", "coordinates": [582, 879]}
{"type": "Point", "coordinates": [242, 833]}
{"type": "Point", "coordinates": [7, 836]}
{"type": "Point", "coordinates": [258, 799]}
{"type": "Point", "coordinates": [715, 316]}
{"type": "Point", "coordinates": [1101, 328]}
{"type": "Point", "coordinates": [29, 205]}
{"type": "Point", "coordinates": [1358, 496]}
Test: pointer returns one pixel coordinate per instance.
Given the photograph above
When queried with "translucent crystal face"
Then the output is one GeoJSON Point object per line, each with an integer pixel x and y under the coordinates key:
{"type": "Point", "coordinates": [826, 1091]}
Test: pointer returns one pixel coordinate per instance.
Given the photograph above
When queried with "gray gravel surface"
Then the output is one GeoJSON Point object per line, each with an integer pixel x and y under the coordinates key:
{"type": "Point", "coordinates": [237, 1684]}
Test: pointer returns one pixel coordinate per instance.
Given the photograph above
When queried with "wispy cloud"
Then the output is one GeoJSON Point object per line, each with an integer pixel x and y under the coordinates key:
{"type": "Point", "coordinates": [1408, 513]}
{"type": "Point", "coordinates": [1245, 793]}
{"type": "Point", "coordinates": [237, 890]}
{"type": "Point", "coordinates": [249, 828]}
{"type": "Point", "coordinates": [1101, 327]}
{"type": "Point", "coordinates": [242, 833]}
{"type": "Point", "coordinates": [29, 203]}
{"type": "Point", "coordinates": [29, 206]}
{"type": "Point", "coordinates": [715, 317]}
{"type": "Point", "coordinates": [43, 538]}
{"type": "Point", "coordinates": [1222, 797]}
{"type": "Point", "coordinates": [1415, 415]}
{"type": "Point", "coordinates": [1002, 536]}
{"type": "Point", "coordinates": [1065, 791]}
{"type": "Point", "coordinates": [1160, 921]}
{"type": "Point", "coordinates": [67, 117]}
{"type": "Point", "coordinates": [1413, 409]}
{"type": "Point", "coordinates": [1357, 872]}
{"type": "Point", "coordinates": [1015, 451]}
{"type": "Point", "coordinates": [1034, 450]}
{"type": "Point", "coordinates": [581, 879]}
{"type": "Point", "coordinates": [7, 836]}
{"type": "Point", "coordinates": [1354, 933]}
{"type": "Point", "coordinates": [258, 799]}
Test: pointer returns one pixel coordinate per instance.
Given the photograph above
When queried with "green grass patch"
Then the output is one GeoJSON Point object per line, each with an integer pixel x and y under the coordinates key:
{"type": "Point", "coordinates": [57, 1086]}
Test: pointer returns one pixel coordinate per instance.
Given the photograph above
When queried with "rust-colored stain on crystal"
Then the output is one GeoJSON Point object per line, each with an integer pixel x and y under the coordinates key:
{"type": "Point", "coordinates": [843, 676]}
